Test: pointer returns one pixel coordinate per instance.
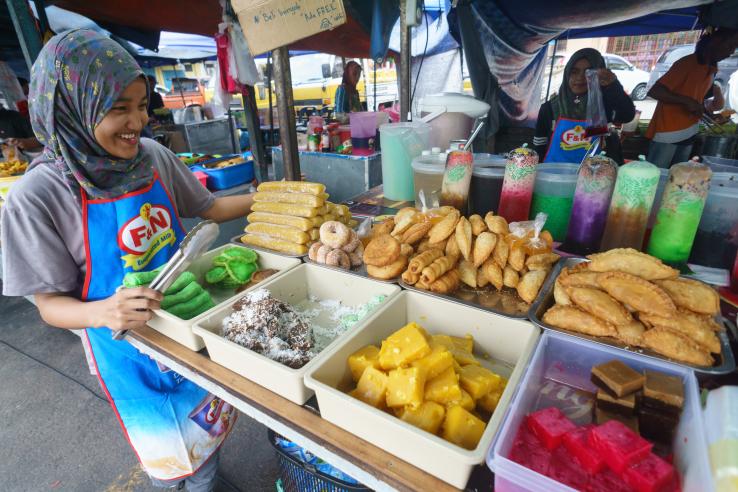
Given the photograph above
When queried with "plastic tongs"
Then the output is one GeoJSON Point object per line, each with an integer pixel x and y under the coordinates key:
{"type": "Point", "coordinates": [712, 124]}
{"type": "Point", "coordinates": [197, 242]}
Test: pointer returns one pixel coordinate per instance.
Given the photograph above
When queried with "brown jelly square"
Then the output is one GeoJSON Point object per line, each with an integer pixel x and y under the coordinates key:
{"type": "Point", "coordinates": [657, 425]}
{"type": "Point", "coordinates": [617, 378]}
{"type": "Point", "coordinates": [602, 416]}
{"type": "Point", "coordinates": [625, 406]}
{"type": "Point", "coordinates": [663, 392]}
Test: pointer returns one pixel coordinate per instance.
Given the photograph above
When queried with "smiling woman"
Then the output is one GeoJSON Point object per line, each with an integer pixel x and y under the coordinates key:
{"type": "Point", "coordinates": [119, 131]}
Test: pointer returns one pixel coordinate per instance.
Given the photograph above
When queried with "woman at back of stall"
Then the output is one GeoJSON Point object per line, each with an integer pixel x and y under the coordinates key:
{"type": "Point", "coordinates": [560, 130]}
{"type": "Point", "coordinates": [99, 203]}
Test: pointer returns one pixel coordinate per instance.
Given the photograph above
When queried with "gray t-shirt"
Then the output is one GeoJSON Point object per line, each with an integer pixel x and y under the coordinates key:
{"type": "Point", "coordinates": [41, 225]}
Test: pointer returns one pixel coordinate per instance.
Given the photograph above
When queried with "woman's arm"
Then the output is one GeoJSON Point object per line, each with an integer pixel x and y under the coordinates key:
{"type": "Point", "coordinates": [227, 208]}
{"type": "Point", "coordinates": [128, 309]}
{"type": "Point", "coordinates": [619, 107]}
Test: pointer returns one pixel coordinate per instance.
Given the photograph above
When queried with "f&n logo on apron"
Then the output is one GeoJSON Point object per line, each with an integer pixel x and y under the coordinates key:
{"type": "Point", "coordinates": [574, 138]}
{"type": "Point", "coordinates": [145, 235]}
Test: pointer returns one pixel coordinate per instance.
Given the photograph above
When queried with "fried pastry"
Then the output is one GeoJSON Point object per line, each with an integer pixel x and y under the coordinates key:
{"type": "Point", "coordinates": [424, 245]}
{"type": "Point", "coordinates": [706, 319]}
{"type": "Point", "coordinates": [640, 294]}
{"type": "Point", "coordinates": [631, 333]}
{"type": "Point", "coordinates": [404, 219]}
{"type": "Point", "coordinates": [530, 284]}
{"type": "Point", "coordinates": [482, 280]}
{"type": "Point", "coordinates": [631, 261]}
{"type": "Point", "coordinates": [692, 295]}
{"type": "Point", "coordinates": [382, 250]}
{"type": "Point", "coordinates": [502, 251]}
{"type": "Point", "coordinates": [574, 319]}
{"type": "Point", "coordinates": [447, 283]}
{"type": "Point", "coordinates": [390, 271]}
{"type": "Point", "coordinates": [510, 277]}
{"type": "Point", "coordinates": [477, 224]}
{"type": "Point", "coordinates": [516, 258]}
{"type": "Point", "coordinates": [560, 295]}
{"type": "Point", "coordinates": [439, 267]}
{"type": "Point", "coordinates": [483, 247]}
{"type": "Point", "coordinates": [409, 277]}
{"type": "Point", "coordinates": [676, 346]}
{"type": "Point", "coordinates": [579, 278]}
{"type": "Point", "coordinates": [415, 233]}
{"type": "Point", "coordinates": [468, 273]}
{"type": "Point", "coordinates": [452, 247]}
{"type": "Point", "coordinates": [686, 326]}
{"type": "Point", "coordinates": [541, 261]}
{"type": "Point", "coordinates": [443, 229]}
{"type": "Point", "coordinates": [464, 238]}
{"type": "Point", "coordinates": [493, 272]}
{"type": "Point", "coordinates": [600, 304]}
{"type": "Point", "coordinates": [406, 250]}
{"type": "Point", "coordinates": [384, 227]}
{"type": "Point", "coordinates": [424, 259]}
{"type": "Point", "coordinates": [496, 224]}
{"type": "Point", "coordinates": [547, 238]}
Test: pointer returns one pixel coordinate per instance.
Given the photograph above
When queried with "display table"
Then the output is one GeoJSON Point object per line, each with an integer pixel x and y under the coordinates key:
{"type": "Point", "coordinates": [344, 176]}
{"type": "Point", "coordinates": [368, 464]}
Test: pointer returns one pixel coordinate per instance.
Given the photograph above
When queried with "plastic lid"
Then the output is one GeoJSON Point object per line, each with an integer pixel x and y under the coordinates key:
{"type": "Point", "coordinates": [435, 150]}
{"type": "Point", "coordinates": [562, 172]}
{"type": "Point", "coordinates": [489, 171]}
{"type": "Point", "coordinates": [454, 102]}
{"type": "Point", "coordinates": [429, 165]}
{"type": "Point", "coordinates": [724, 185]}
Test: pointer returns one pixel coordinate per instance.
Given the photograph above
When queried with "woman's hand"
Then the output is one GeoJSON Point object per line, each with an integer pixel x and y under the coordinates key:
{"type": "Point", "coordinates": [606, 77]}
{"type": "Point", "coordinates": [128, 309]}
{"type": "Point", "coordinates": [24, 143]}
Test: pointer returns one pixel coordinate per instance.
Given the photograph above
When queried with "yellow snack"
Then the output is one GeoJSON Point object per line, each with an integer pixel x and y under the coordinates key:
{"type": "Point", "coordinates": [298, 198]}
{"type": "Point", "coordinates": [466, 343]}
{"type": "Point", "coordinates": [287, 220]}
{"type": "Point", "coordinates": [428, 416]}
{"type": "Point", "coordinates": [462, 428]}
{"type": "Point", "coordinates": [489, 402]}
{"type": "Point", "coordinates": [405, 387]}
{"type": "Point", "coordinates": [463, 357]}
{"type": "Point", "coordinates": [466, 401]}
{"type": "Point", "coordinates": [287, 233]}
{"type": "Point", "coordinates": [314, 234]}
{"type": "Point", "coordinates": [443, 388]}
{"type": "Point", "coordinates": [317, 221]}
{"type": "Point", "coordinates": [274, 244]}
{"type": "Point", "coordinates": [292, 187]}
{"type": "Point", "coordinates": [372, 388]}
{"type": "Point", "coordinates": [286, 209]}
{"type": "Point", "coordinates": [478, 381]}
{"type": "Point", "coordinates": [361, 359]}
{"type": "Point", "coordinates": [443, 340]}
{"type": "Point", "coordinates": [403, 347]}
{"type": "Point", "coordinates": [436, 362]}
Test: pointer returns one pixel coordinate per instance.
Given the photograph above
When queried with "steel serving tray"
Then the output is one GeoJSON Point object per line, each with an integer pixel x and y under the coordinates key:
{"type": "Point", "coordinates": [360, 271]}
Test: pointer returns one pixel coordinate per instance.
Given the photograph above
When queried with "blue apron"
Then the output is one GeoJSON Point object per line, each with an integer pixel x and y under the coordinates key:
{"type": "Point", "coordinates": [173, 425]}
{"type": "Point", "coordinates": [568, 142]}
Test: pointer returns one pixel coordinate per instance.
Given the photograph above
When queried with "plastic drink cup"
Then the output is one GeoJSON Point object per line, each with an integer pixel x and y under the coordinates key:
{"type": "Point", "coordinates": [486, 183]}
{"type": "Point", "coordinates": [680, 212]}
{"type": "Point", "coordinates": [517, 187]}
{"type": "Point", "coordinates": [456, 179]}
{"type": "Point", "coordinates": [553, 195]}
{"type": "Point", "coordinates": [716, 241]}
{"type": "Point", "coordinates": [401, 143]}
{"type": "Point", "coordinates": [630, 207]}
{"type": "Point", "coordinates": [591, 203]}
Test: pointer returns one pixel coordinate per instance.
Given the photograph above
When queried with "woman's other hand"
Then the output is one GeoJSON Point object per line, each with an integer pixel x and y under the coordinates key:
{"type": "Point", "coordinates": [606, 77]}
{"type": "Point", "coordinates": [127, 309]}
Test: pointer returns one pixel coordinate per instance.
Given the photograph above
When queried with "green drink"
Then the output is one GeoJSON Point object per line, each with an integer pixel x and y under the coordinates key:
{"type": "Point", "coordinates": [558, 209]}
{"type": "Point", "coordinates": [680, 212]}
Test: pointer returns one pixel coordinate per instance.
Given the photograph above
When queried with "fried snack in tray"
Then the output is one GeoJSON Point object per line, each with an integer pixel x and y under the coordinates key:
{"type": "Point", "coordinates": [415, 233]}
{"type": "Point", "coordinates": [510, 277]}
{"type": "Point", "coordinates": [687, 326]}
{"type": "Point", "coordinates": [501, 253]}
{"type": "Point", "coordinates": [404, 219]}
{"type": "Point", "coordinates": [484, 245]}
{"type": "Point", "coordinates": [436, 269]}
{"type": "Point", "coordinates": [477, 224]}
{"type": "Point", "coordinates": [390, 271]}
{"type": "Point", "coordinates": [496, 224]}
{"type": "Point", "coordinates": [482, 280]}
{"type": "Point", "coordinates": [452, 247]}
{"type": "Point", "coordinates": [600, 304]}
{"type": "Point", "coordinates": [467, 273]}
{"type": "Point", "coordinates": [274, 244]}
{"type": "Point", "coordinates": [443, 229]}
{"type": "Point", "coordinates": [423, 259]}
{"type": "Point", "coordinates": [447, 283]}
{"type": "Point", "coordinates": [639, 294]}
{"type": "Point", "coordinates": [676, 346]}
{"type": "Point", "coordinates": [530, 283]}
{"type": "Point", "coordinates": [297, 198]}
{"type": "Point", "coordinates": [292, 187]}
{"type": "Point", "coordinates": [406, 250]}
{"type": "Point", "coordinates": [494, 273]}
{"type": "Point", "coordinates": [559, 291]}
{"type": "Point", "coordinates": [574, 319]}
{"type": "Point", "coordinates": [631, 333]}
{"type": "Point", "coordinates": [286, 233]}
{"type": "Point", "coordinates": [463, 238]}
{"type": "Point", "coordinates": [541, 261]}
{"type": "Point", "coordinates": [516, 258]}
{"type": "Point", "coordinates": [410, 277]}
{"type": "Point", "coordinates": [692, 295]}
{"type": "Point", "coordinates": [381, 251]}
{"type": "Point", "coordinates": [631, 261]}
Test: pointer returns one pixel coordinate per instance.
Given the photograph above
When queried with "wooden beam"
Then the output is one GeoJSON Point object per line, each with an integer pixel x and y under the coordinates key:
{"type": "Point", "coordinates": [254, 128]}
{"type": "Point", "coordinates": [286, 111]}
{"type": "Point", "coordinates": [405, 58]}
{"type": "Point", "coordinates": [26, 29]}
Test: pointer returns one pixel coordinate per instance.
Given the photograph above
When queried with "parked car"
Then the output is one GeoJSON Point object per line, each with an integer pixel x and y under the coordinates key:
{"type": "Point", "coordinates": [184, 92]}
{"type": "Point", "coordinates": [725, 68]}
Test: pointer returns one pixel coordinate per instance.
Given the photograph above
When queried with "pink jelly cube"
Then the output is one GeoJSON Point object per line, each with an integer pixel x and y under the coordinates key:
{"type": "Point", "coordinates": [607, 481]}
{"type": "Point", "coordinates": [565, 470]}
{"type": "Point", "coordinates": [651, 474]}
{"type": "Point", "coordinates": [528, 451]}
{"type": "Point", "coordinates": [550, 425]}
{"type": "Point", "coordinates": [577, 444]}
{"type": "Point", "coordinates": [619, 446]}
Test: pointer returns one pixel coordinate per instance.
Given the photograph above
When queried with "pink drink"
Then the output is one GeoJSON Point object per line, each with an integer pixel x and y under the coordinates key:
{"type": "Point", "coordinates": [517, 188]}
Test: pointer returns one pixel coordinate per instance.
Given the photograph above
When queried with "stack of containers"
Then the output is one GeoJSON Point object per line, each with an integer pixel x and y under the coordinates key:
{"type": "Point", "coordinates": [716, 242]}
{"type": "Point", "coordinates": [553, 194]}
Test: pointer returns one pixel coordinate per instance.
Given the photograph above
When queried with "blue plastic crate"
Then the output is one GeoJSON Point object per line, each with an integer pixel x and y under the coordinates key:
{"type": "Point", "coordinates": [228, 177]}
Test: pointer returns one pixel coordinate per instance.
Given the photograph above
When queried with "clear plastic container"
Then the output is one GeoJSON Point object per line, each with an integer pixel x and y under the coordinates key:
{"type": "Point", "coordinates": [553, 194]}
{"type": "Point", "coordinates": [716, 242]}
{"type": "Point", "coordinates": [663, 178]}
{"type": "Point", "coordinates": [517, 188]}
{"type": "Point", "coordinates": [486, 184]}
{"type": "Point", "coordinates": [428, 177]}
{"type": "Point", "coordinates": [721, 427]}
{"type": "Point", "coordinates": [401, 143]}
{"type": "Point", "coordinates": [559, 368]}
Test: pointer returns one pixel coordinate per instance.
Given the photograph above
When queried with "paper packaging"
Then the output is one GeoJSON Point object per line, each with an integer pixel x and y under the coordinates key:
{"type": "Point", "coordinates": [269, 24]}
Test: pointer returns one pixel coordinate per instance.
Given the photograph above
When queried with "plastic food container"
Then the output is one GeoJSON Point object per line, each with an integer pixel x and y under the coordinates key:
{"type": "Point", "coordinates": [553, 194]}
{"type": "Point", "coordinates": [561, 365]}
{"type": "Point", "coordinates": [721, 164]}
{"type": "Point", "coordinates": [428, 177]}
{"type": "Point", "coordinates": [486, 183]}
{"type": "Point", "coordinates": [293, 288]}
{"type": "Point", "coordinates": [716, 244]}
{"type": "Point", "coordinates": [401, 143]}
{"type": "Point", "coordinates": [721, 426]}
{"type": "Point", "coordinates": [180, 330]}
{"type": "Point", "coordinates": [509, 343]}
{"type": "Point", "coordinates": [202, 178]}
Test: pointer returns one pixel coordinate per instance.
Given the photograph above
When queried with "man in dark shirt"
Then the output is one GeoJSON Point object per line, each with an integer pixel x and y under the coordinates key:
{"type": "Point", "coordinates": [155, 100]}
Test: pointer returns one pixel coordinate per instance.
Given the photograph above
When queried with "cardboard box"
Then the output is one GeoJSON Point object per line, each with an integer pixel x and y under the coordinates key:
{"type": "Point", "coordinates": [269, 24]}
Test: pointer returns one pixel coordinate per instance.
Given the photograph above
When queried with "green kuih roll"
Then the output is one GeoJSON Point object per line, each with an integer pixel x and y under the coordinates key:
{"type": "Point", "coordinates": [245, 254]}
{"type": "Point", "coordinates": [193, 307]}
{"type": "Point", "coordinates": [137, 279]}
{"type": "Point", "coordinates": [216, 274]}
{"type": "Point", "coordinates": [191, 290]}
{"type": "Point", "coordinates": [182, 281]}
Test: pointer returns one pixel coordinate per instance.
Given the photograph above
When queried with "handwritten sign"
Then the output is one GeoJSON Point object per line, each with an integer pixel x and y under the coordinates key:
{"type": "Point", "coordinates": [269, 24]}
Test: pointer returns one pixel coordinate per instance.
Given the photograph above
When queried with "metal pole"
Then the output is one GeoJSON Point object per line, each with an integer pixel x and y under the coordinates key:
{"type": "Point", "coordinates": [405, 109]}
{"type": "Point", "coordinates": [271, 110]}
{"type": "Point", "coordinates": [254, 129]}
{"type": "Point", "coordinates": [285, 109]}
{"type": "Point", "coordinates": [551, 70]}
{"type": "Point", "coordinates": [26, 30]}
{"type": "Point", "coordinates": [374, 64]}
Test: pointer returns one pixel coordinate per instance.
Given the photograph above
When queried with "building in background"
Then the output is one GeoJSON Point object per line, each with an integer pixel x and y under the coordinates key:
{"type": "Point", "coordinates": [643, 51]}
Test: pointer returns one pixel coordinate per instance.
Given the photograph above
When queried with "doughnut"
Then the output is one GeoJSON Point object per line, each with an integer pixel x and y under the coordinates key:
{"type": "Point", "coordinates": [334, 234]}
{"type": "Point", "coordinates": [382, 250]}
{"type": "Point", "coordinates": [322, 253]}
{"type": "Point", "coordinates": [352, 243]}
{"type": "Point", "coordinates": [313, 251]}
{"type": "Point", "coordinates": [338, 258]}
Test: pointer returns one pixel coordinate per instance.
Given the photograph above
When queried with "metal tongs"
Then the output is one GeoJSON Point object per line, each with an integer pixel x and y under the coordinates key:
{"type": "Point", "coordinates": [713, 125]}
{"type": "Point", "coordinates": [593, 148]}
{"type": "Point", "coordinates": [197, 242]}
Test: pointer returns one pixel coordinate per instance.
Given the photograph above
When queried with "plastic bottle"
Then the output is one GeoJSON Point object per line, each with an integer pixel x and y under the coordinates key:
{"type": "Point", "coordinates": [456, 179]}
{"type": "Point", "coordinates": [631, 204]}
{"type": "Point", "coordinates": [591, 203]}
{"type": "Point", "coordinates": [517, 187]}
{"type": "Point", "coordinates": [680, 212]}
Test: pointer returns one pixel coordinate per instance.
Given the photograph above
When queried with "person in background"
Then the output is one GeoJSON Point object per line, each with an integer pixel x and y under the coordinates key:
{"type": "Point", "coordinates": [16, 130]}
{"type": "Point", "coordinates": [681, 93]}
{"type": "Point", "coordinates": [101, 202]}
{"type": "Point", "coordinates": [347, 97]}
{"type": "Point", "coordinates": [24, 85]}
{"type": "Point", "coordinates": [155, 100]}
{"type": "Point", "coordinates": [559, 135]}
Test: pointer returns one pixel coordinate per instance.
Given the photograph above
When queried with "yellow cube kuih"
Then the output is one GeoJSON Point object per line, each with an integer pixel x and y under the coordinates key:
{"type": "Point", "coordinates": [361, 359]}
{"type": "Point", "coordinates": [443, 340]}
{"type": "Point", "coordinates": [489, 402]}
{"type": "Point", "coordinates": [466, 343]}
{"type": "Point", "coordinates": [466, 401]}
{"type": "Point", "coordinates": [464, 358]}
{"type": "Point", "coordinates": [405, 387]}
{"type": "Point", "coordinates": [372, 388]}
{"type": "Point", "coordinates": [436, 362]}
{"type": "Point", "coordinates": [404, 346]}
{"type": "Point", "coordinates": [462, 428]}
{"type": "Point", "coordinates": [444, 388]}
{"type": "Point", "coordinates": [478, 381]}
{"type": "Point", "coordinates": [428, 416]}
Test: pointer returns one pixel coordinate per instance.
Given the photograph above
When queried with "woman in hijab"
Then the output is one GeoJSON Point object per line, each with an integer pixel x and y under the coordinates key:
{"type": "Point", "coordinates": [347, 97]}
{"type": "Point", "coordinates": [101, 202]}
{"type": "Point", "coordinates": [561, 123]}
